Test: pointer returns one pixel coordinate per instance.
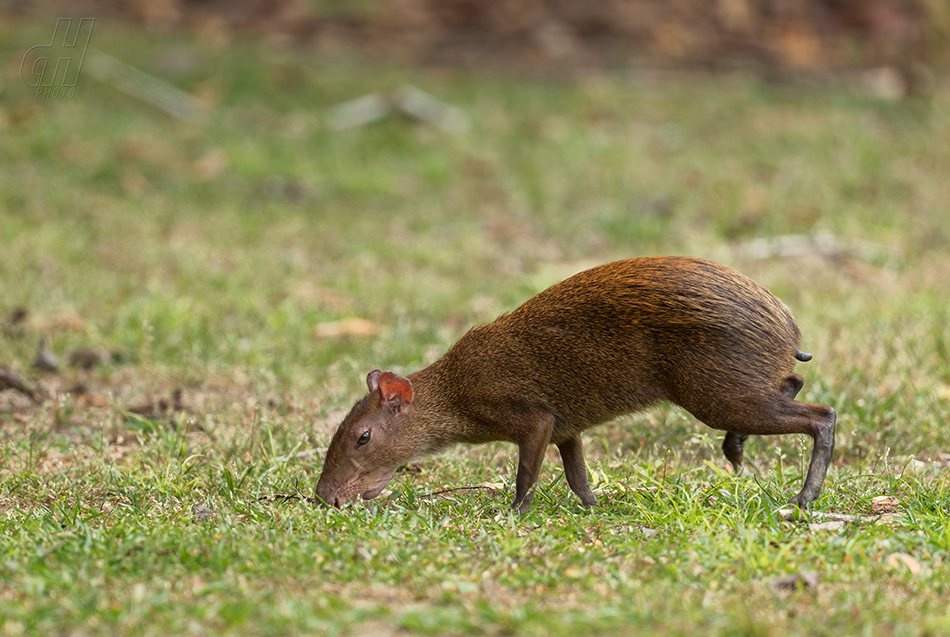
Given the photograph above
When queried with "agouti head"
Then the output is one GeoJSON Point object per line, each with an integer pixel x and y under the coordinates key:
{"type": "Point", "coordinates": [365, 450]}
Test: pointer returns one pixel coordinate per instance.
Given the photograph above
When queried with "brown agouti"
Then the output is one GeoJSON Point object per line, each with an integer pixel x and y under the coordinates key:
{"type": "Point", "coordinates": [608, 341]}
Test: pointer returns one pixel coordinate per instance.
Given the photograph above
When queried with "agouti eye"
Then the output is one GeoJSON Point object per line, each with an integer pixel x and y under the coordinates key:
{"type": "Point", "coordinates": [364, 438]}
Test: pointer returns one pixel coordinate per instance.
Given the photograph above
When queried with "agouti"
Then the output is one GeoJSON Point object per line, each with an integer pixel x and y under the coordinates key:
{"type": "Point", "coordinates": [608, 341]}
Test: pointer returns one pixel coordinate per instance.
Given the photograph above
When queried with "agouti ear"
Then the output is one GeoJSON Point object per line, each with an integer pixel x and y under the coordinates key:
{"type": "Point", "coordinates": [394, 390]}
{"type": "Point", "coordinates": [372, 380]}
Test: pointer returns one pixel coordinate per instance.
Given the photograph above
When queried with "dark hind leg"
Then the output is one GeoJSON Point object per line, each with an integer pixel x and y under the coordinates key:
{"type": "Point", "coordinates": [732, 447]}
{"type": "Point", "coordinates": [821, 427]}
{"type": "Point", "coordinates": [734, 442]}
{"type": "Point", "coordinates": [780, 415]}
{"type": "Point", "coordinates": [821, 419]}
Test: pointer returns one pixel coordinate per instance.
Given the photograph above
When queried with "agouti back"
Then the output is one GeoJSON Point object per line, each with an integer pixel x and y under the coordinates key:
{"type": "Point", "coordinates": [608, 341]}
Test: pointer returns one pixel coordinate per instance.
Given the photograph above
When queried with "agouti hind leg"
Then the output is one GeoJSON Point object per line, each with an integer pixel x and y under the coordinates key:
{"type": "Point", "coordinates": [732, 445]}
{"type": "Point", "coordinates": [732, 448]}
{"type": "Point", "coordinates": [822, 420]}
{"type": "Point", "coordinates": [783, 415]}
{"type": "Point", "coordinates": [575, 470]}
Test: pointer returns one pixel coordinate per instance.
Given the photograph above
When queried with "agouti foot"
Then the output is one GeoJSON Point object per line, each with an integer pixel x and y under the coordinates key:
{"type": "Point", "coordinates": [522, 506]}
{"type": "Point", "coordinates": [799, 501]}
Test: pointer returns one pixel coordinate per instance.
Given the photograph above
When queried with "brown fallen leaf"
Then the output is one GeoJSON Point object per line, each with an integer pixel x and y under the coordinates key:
{"type": "Point", "coordinates": [493, 487]}
{"type": "Point", "coordinates": [13, 325]}
{"type": "Point", "coordinates": [902, 561]}
{"type": "Point", "coordinates": [803, 580]}
{"type": "Point", "coordinates": [344, 328]}
{"type": "Point", "coordinates": [201, 513]}
{"type": "Point", "coordinates": [85, 358]}
{"type": "Point", "coordinates": [92, 400]}
{"type": "Point", "coordinates": [17, 316]}
{"type": "Point", "coordinates": [68, 321]}
{"type": "Point", "coordinates": [884, 504]}
{"type": "Point", "coordinates": [153, 410]}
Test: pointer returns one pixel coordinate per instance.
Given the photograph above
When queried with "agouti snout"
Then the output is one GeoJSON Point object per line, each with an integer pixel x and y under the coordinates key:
{"type": "Point", "coordinates": [608, 341]}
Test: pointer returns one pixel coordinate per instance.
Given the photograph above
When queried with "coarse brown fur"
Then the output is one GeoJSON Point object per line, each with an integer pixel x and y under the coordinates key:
{"type": "Point", "coordinates": [608, 341]}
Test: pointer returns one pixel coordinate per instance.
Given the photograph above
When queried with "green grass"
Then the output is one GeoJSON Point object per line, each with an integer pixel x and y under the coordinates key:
{"type": "Point", "coordinates": [206, 253]}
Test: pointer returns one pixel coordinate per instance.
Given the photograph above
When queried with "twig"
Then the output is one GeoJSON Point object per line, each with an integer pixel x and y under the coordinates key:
{"type": "Point", "coordinates": [283, 497]}
{"type": "Point", "coordinates": [827, 245]}
{"type": "Point", "coordinates": [793, 514]}
{"type": "Point", "coordinates": [429, 108]}
{"type": "Point", "coordinates": [359, 111]}
{"type": "Point", "coordinates": [9, 379]}
{"type": "Point", "coordinates": [408, 99]}
{"type": "Point", "coordinates": [443, 491]}
{"type": "Point", "coordinates": [141, 85]}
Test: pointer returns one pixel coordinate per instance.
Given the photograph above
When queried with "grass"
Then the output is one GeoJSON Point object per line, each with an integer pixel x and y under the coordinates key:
{"type": "Point", "coordinates": [203, 255]}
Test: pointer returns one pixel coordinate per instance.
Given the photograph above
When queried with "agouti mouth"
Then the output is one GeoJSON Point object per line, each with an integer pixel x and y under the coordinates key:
{"type": "Point", "coordinates": [378, 485]}
{"type": "Point", "coordinates": [369, 494]}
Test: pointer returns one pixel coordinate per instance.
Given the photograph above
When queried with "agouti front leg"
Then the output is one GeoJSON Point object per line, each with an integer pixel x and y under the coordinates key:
{"type": "Point", "coordinates": [534, 441]}
{"type": "Point", "coordinates": [572, 455]}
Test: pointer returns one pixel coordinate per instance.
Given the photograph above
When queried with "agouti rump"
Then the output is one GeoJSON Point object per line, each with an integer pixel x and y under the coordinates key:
{"type": "Point", "coordinates": [608, 341]}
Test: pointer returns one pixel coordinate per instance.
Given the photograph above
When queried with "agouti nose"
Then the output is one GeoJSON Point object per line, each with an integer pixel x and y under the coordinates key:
{"type": "Point", "coordinates": [331, 501]}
